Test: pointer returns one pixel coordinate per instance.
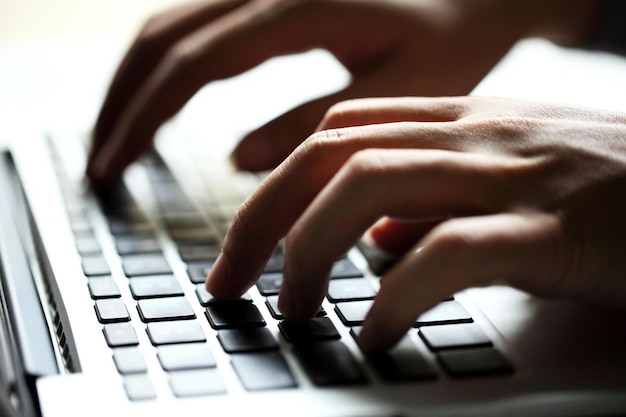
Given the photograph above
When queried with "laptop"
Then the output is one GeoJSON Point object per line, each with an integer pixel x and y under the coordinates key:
{"type": "Point", "coordinates": [104, 313]}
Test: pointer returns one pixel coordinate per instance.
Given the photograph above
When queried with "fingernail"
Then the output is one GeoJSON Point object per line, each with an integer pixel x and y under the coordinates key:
{"type": "Point", "coordinates": [256, 151]}
{"type": "Point", "coordinates": [287, 303]}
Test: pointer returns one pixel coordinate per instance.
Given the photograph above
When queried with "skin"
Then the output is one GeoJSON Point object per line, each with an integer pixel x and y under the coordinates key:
{"type": "Point", "coordinates": [468, 190]}
{"type": "Point", "coordinates": [391, 48]}
{"type": "Point", "coordinates": [527, 193]}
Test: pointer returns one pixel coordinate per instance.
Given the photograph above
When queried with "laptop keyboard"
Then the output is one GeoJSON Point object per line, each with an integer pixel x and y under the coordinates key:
{"type": "Point", "coordinates": [251, 330]}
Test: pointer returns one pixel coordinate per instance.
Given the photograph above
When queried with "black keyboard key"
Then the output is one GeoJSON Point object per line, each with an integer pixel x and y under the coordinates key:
{"type": "Point", "coordinates": [473, 362]}
{"type": "Point", "coordinates": [95, 265]}
{"type": "Point", "coordinates": [170, 191]}
{"type": "Point", "coordinates": [80, 224]}
{"type": "Point", "coordinates": [353, 313]}
{"type": "Point", "coordinates": [275, 262]}
{"type": "Point", "coordinates": [401, 363]}
{"type": "Point", "coordinates": [86, 244]}
{"type": "Point", "coordinates": [446, 312]}
{"type": "Point", "coordinates": [136, 244]}
{"type": "Point", "coordinates": [120, 334]}
{"type": "Point", "coordinates": [196, 382]}
{"type": "Point", "coordinates": [103, 287]}
{"type": "Point", "coordinates": [378, 261]}
{"type": "Point", "coordinates": [246, 340]}
{"type": "Point", "coordinates": [111, 310]}
{"type": "Point", "coordinates": [198, 271]}
{"type": "Point", "coordinates": [272, 305]}
{"type": "Point", "coordinates": [145, 264]}
{"type": "Point", "coordinates": [316, 329]}
{"type": "Point", "coordinates": [344, 268]}
{"type": "Point", "coordinates": [170, 332]}
{"type": "Point", "coordinates": [350, 289]}
{"type": "Point", "coordinates": [205, 298]}
{"type": "Point", "coordinates": [172, 199]}
{"type": "Point", "coordinates": [263, 371]}
{"type": "Point", "coordinates": [269, 284]}
{"type": "Point", "coordinates": [329, 363]}
{"type": "Point", "coordinates": [155, 286]}
{"type": "Point", "coordinates": [185, 356]}
{"type": "Point", "coordinates": [185, 221]}
{"type": "Point", "coordinates": [128, 221]}
{"type": "Point", "coordinates": [178, 209]}
{"type": "Point", "coordinates": [129, 360]}
{"type": "Point", "coordinates": [190, 252]}
{"type": "Point", "coordinates": [139, 387]}
{"type": "Point", "coordinates": [122, 228]}
{"type": "Point", "coordinates": [165, 309]}
{"type": "Point", "coordinates": [202, 235]}
{"type": "Point", "coordinates": [451, 336]}
{"type": "Point", "coordinates": [234, 314]}
{"type": "Point", "coordinates": [158, 173]}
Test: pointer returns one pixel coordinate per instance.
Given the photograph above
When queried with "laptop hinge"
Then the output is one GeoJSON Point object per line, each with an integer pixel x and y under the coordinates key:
{"type": "Point", "coordinates": [29, 346]}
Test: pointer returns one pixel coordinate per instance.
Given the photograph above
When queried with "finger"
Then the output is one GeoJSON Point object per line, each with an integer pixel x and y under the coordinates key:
{"type": "Point", "coordinates": [157, 37]}
{"type": "Point", "coordinates": [268, 214]}
{"type": "Point", "coordinates": [268, 146]}
{"type": "Point", "coordinates": [398, 236]}
{"type": "Point", "coordinates": [373, 183]}
{"type": "Point", "coordinates": [462, 253]}
{"type": "Point", "coordinates": [368, 111]}
{"type": "Point", "coordinates": [227, 47]}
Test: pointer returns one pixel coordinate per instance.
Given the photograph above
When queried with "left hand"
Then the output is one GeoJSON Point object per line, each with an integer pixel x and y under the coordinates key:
{"type": "Point", "coordinates": [533, 194]}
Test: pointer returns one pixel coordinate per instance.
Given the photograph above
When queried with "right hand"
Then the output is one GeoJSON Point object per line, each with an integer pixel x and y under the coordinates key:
{"type": "Point", "coordinates": [391, 48]}
{"type": "Point", "coordinates": [527, 193]}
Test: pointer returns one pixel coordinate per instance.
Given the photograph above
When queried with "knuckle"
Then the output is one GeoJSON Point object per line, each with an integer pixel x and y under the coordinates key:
{"type": "Point", "coordinates": [452, 244]}
{"type": "Point", "coordinates": [181, 59]}
{"type": "Point", "coordinates": [365, 165]}
{"type": "Point", "coordinates": [316, 148]}
{"type": "Point", "coordinates": [500, 127]}
{"type": "Point", "coordinates": [241, 219]}
{"type": "Point", "coordinates": [338, 113]}
{"type": "Point", "coordinates": [154, 28]}
{"type": "Point", "coordinates": [182, 52]}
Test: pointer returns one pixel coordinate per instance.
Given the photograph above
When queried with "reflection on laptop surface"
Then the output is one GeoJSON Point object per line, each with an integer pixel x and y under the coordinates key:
{"type": "Point", "coordinates": [104, 312]}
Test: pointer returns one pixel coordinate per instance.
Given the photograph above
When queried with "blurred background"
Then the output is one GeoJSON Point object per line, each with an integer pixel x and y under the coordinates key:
{"type": "Point", "coordinates": [57, 57]}
{"type": "Point", "coordinates": [33, 20]}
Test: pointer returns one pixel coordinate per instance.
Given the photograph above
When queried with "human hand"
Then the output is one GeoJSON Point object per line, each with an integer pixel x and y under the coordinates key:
{"type": "Point", "coordinates": [391, 48]}
{"type": "Point", "coordinates": [527, 193]}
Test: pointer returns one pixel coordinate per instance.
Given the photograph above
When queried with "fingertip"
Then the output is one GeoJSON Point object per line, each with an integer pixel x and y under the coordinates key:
{"type": "Point", "coordinates": [287, 304]}
{"type": "Point", "coordinates": [104, 168]}
{"type": "Point", "coordinates": [397, 237]}
{"type": "Point", "coordinates": [298, 304]}
{"type": "Point", "coordinates": [97, 172]}
{"type": "Point", "coordinates": [94, 171]}
{"type": "Point", "coordinates": [374, 337]}
{"type": "Point", "coordinates": [255, 152]}
{"type": "Point", "coordinates": [217, 279]}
